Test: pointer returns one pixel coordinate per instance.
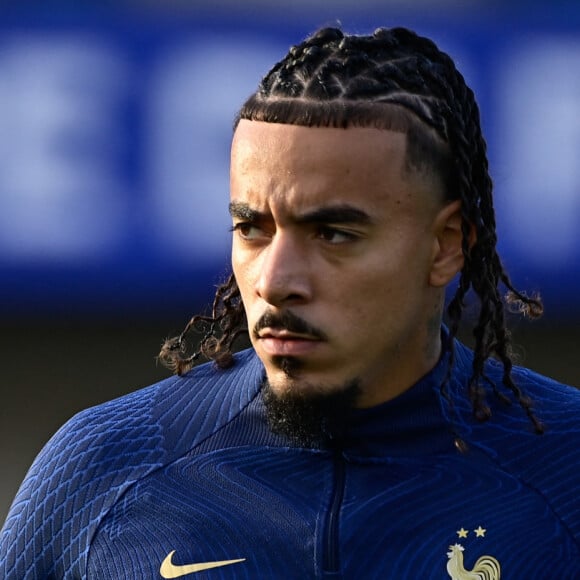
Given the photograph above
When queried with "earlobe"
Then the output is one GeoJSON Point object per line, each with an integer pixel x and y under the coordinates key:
{"type": "Point", "coordinates": [447, 249]}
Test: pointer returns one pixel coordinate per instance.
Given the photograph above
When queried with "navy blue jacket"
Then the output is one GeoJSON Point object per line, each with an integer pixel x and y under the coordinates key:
{"type": "Point", "coordinates": [187, 473]}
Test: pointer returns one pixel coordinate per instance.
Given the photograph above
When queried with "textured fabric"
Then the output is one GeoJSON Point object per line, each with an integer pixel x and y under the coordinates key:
{"type": "Point", "coordinates": [189, 468]}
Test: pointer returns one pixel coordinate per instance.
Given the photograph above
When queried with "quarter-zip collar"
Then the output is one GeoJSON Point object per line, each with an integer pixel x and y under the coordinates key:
{"type": "Point", "coordinates": [412, 424]}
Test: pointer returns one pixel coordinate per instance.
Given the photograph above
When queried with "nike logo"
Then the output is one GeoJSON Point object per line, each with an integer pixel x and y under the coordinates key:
{"type": "Point", "coordinates": [170, 570]}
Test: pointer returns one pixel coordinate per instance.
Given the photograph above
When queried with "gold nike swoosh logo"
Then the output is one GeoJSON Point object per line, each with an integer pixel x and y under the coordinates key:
{"type": "Point", "coordinates": [170, 570]}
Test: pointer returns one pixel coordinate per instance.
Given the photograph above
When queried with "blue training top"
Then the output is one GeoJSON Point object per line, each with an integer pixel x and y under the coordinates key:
{"type": "Point", "coordinates": [184, 479]}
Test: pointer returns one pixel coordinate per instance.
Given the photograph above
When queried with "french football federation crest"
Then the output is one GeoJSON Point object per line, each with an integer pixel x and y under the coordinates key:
{"type": "Point", "coordinates": [485, 568]}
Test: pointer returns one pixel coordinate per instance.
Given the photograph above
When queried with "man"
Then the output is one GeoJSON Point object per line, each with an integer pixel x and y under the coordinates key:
{"type": "Point", "coordinates": [357, 438]}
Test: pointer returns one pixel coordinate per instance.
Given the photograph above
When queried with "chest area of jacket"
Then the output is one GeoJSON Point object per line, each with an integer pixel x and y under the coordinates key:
{"type": "Point", "coordinates": [286, 513]}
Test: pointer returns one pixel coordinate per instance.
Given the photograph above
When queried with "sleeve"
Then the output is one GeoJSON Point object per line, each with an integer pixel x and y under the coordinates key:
{"type": "Point", "coordinates": [72, 484]}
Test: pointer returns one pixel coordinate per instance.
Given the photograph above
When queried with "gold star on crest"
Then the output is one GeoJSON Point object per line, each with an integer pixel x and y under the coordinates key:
{"type": "Point", "coordinates": [480, 532]}
{"type": "Point", "coordinates": [462, 533]}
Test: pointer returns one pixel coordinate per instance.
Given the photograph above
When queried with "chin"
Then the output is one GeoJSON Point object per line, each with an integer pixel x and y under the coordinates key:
{"type": "Point", "coordinates": [303, 384]}
{"type": "Point", "coordinates": [310, 414]}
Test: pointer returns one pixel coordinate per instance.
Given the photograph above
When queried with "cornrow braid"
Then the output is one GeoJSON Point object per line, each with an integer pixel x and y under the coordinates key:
{"type": "Point", "coordinates": [395, 79]}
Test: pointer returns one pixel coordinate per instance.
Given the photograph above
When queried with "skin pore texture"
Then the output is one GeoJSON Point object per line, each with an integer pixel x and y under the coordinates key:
{"type": "Point", "coordinates": [341, 254]}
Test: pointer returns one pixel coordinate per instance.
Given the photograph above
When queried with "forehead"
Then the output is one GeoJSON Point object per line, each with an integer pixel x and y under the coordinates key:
{"type": "Point", "coordinates": [296, 145]}
{"type": "Point", "coordinates": [296, 166]}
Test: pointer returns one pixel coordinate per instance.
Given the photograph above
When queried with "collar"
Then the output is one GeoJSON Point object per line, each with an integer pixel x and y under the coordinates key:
{"type": "Point", "coordinates": [413, 423]}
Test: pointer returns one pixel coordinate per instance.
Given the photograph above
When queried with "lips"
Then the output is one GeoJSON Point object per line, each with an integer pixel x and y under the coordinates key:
{"type": "Point", "coordinates": [284, 334]}
{"type": "Point", "coordinates": [282, 342]}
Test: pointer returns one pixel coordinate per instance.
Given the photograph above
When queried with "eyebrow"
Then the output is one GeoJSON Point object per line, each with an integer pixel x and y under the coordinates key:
{"type": "Point", "coordinates": [243, 211]}
{"type": "Point", "coordinates": [337, 214]}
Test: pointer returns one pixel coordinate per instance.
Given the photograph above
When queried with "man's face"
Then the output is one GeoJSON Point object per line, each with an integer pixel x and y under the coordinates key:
{"type": "Point", "coordinates": [335, 246]}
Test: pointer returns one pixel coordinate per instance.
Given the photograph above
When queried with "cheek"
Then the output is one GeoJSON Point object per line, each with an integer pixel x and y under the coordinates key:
{"type": "Point", "coordinates": [242, 276]}
{"type": "Point", "coordinates": [242, 267]}
{"type": "Point", "coordinates": [362, 296]}
{"type": "Point", "coordinates": [379, 291]}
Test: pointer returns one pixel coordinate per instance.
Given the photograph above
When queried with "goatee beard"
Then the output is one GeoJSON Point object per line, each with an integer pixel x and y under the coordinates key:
{"type": "Point", "coordinates": [313, 417]}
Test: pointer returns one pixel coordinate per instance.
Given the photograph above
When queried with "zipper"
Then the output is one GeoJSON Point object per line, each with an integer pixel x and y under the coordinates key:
{"type": "Point", "coordinates": [331, 528]}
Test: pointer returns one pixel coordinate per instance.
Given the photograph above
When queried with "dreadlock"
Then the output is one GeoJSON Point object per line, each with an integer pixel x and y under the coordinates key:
{"type": "Point", "coordinates": [392, 79]}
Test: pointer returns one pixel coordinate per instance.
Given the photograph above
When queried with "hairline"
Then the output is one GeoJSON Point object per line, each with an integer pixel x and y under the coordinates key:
{"type": "Point", "coordinates": [421, 139]}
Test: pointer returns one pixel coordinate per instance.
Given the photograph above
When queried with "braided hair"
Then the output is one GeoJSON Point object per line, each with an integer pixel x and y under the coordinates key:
{"type": "Point", "coordinates": [391, 79]}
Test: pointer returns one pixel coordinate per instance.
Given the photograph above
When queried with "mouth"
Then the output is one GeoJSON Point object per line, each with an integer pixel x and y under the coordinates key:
{"type": "Point", "coordinates": [282, 342]}
{"type": "Point", "coordinates": [284, 334]}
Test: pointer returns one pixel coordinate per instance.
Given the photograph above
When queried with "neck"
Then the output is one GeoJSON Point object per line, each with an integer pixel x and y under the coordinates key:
{"type": "Point", "coordinates": [408, 365]}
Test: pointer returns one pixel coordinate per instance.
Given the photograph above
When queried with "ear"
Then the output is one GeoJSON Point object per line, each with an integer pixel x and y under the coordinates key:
{"type": "Point", "coordinates": [447, 251]}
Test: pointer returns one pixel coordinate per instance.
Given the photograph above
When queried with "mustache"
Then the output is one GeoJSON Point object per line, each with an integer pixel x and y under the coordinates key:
{"type": "Point", "coordinates": [287, 320]}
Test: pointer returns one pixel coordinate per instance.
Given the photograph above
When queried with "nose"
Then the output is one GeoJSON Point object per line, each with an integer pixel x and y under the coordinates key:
{"type": "Point", "coordinates": [284, 278]}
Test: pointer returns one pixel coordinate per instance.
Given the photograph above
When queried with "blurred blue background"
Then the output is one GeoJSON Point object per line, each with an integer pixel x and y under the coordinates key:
{"type": "Point", "coordinates": [115, 123]}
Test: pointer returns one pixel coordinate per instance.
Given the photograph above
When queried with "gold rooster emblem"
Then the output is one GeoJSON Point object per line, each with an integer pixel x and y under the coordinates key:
{"type": "Point", "coordinates": [486, 567]}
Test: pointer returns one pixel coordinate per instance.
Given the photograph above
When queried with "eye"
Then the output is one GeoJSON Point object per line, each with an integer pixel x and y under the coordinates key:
{"type": "Point", "coordinates": [248, 230]}
{"type": "Point", "coordinates": [335, 236]}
